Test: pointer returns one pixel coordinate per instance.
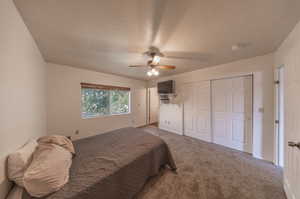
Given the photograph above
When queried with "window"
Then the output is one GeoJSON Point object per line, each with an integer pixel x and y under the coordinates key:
{"type": "Point", "coordinates": [101, 100]}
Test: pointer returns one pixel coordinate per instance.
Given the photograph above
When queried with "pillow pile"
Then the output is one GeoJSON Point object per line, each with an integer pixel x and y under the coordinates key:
{"type": "Point", "coordinates": [16, 193]}
{"type": "Point", "coordinates": [19, 161]}
{"type": "Point", "coordinates": [59, 140]}
{"type": "Point", "coordinates": [47, 168]}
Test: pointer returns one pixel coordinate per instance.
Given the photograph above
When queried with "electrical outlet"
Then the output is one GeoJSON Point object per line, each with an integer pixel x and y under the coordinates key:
{"type": "Point", "coordinates": [77, 132]}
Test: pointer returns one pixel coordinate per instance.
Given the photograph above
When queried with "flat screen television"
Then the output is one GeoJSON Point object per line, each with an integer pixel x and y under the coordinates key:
{"type": "Point", "coordinates": [166, 87]}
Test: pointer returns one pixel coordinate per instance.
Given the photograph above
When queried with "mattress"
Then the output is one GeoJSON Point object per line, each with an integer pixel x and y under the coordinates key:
{"type": "Point", "coordinates": [114, 165]}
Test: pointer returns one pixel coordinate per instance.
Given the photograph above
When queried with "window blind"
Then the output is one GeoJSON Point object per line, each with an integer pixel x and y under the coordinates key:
{"type": "Point", "coordinates": [103, 87]}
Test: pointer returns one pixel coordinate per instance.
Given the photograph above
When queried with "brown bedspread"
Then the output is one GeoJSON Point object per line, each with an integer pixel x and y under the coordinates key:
{"type": "Point", "coordinates": [114, 165]}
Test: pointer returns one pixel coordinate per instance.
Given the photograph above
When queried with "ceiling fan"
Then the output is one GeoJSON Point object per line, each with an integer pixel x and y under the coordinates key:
{"type": "Point", "coordinates": [153, 63]}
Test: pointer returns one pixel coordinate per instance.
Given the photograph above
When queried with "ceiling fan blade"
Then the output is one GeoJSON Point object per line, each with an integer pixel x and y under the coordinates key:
{"type": "Point", "coordinates": [202, 57]}
{"type": "Point", "coordinates": [167, 67]}
{"type": "Point", "coordinates": [136, 66]}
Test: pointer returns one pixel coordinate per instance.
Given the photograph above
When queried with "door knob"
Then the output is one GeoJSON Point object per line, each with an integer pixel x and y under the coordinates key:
{"type": "Point", "coordinates": [294, 144]}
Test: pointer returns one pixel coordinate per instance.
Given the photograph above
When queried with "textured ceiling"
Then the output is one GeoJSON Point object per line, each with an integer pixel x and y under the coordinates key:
{"type": "Point", "coordinates": [109, 35]}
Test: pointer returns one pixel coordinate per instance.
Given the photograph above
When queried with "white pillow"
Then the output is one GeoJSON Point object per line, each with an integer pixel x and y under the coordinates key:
{"type": "Point", "coordinates": [19, 161]}
{"type": "Point", "coordinates": [59, 140]}
{"type": "Point", "coordinates": [16, 193]}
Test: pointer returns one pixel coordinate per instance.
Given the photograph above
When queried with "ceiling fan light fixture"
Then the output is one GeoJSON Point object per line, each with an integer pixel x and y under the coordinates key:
{"type": "Point", "coordinates": [149, 73]}
{"type": "Point", "coordinates": [156, 60]}
{"type": "Point", "coordinates": [153, 62]}
{"type": "Point", "coordinates": [152, 72]}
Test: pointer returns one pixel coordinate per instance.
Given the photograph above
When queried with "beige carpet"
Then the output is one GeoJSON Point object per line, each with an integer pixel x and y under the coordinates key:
{"type": "Point", "coordinates": [209, 171]}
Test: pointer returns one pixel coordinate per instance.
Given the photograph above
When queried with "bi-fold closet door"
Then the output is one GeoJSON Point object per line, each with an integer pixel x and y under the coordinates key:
{"type": "Point", "coordinates": [232, 112]}
{"type": "Point", "coordinates": [197, 110]}
{"type": "Point", "coordinates": [220, 111]}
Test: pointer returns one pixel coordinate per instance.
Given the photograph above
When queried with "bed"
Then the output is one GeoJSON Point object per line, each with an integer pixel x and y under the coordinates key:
{"type": "Point", "coordinates": [114, 165]}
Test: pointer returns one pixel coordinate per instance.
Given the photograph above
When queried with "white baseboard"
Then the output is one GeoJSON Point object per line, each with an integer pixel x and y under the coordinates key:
{"type": "Point", "coordinates": [170, 130]}
{"type": "Point", "coordinates": [287, 189]}
{"type": "Point", "coordinates": [139, 125]}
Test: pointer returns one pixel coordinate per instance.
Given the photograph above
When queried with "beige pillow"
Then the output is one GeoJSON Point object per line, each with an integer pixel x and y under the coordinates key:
{"type": "Point", "coordinates": [18, 162]}
{"type": "Point", "coordinates": [60, 140]}
{"type": "Point", "coordinates": [48, 171]}
{"type": "Point", "coordinates": [16, 193]}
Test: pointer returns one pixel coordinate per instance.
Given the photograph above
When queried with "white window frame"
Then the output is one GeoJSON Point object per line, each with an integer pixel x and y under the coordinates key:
{"type": "Point", "coordinates": [107, 115]}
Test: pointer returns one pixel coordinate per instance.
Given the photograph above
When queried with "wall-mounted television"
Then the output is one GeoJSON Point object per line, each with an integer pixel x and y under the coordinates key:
{"type": "Point", "coordinates": [166, 87]}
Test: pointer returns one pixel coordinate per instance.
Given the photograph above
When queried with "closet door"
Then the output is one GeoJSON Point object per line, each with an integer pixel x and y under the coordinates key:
{"type": "Point", "coordinates": [197, 111]}
{"type": "Point", "coordinates": [153, 105]}
{"type": "Point", "coordinates": [203, 110]}
{"type": "Point", "coordinates": [138, 106]}
{"type": "Point", "coordinates": [189, 110]}
{"type": "Point", "coordinates": [232, 113]}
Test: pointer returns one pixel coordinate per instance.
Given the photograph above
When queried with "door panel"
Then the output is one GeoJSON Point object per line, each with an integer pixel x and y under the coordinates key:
{"type": "Point", "coordinates": [197, 114]}
{"type": "Point", "coordinates": [203, 112]}
{"type": "Point", "coordinates": [292, 130]}
{"type": "Point", "coordinates": [138, 107]}
{"type": "Point", "coordinates": [238, 126]}
{"type": "Point", "coordinates": [153, 105]}
{"type": "Point", "coordinates": [279, 127]}
{"type": "Point", "coordinates": [203, 124]}
{"type": "Point", "coordinates": [189, 109]}
{"type": "Point", "coordinates": [220, 129]}
{"type": "Point", "coordinates": [232, 112]}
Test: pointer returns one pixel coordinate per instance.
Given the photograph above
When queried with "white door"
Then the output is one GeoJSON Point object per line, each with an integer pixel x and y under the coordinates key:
{"type": "Point", "coordinates": [232, 113]}
{"type": "Point", "coordinates": [279, 123]}
{"type": "Point", "coordinates": [188, 115]}
{"type": "Point", "coordinates": [203, 110]}
{"type": "Point", "coordinates": [138, 107]}
{"type": "Point", "coordinates": [153, 105]}
{"type": "Point", "coordinates": [197, 111]}
{"type": "Point", "coordinates": [292, 130]}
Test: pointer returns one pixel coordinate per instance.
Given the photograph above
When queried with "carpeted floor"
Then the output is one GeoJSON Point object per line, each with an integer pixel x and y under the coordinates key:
{"type": "Point", "coordinates": [209, 171]}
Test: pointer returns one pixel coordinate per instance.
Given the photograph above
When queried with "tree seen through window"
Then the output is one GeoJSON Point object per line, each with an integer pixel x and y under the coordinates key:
{"type": "Point", "coordinates": [97, 102]}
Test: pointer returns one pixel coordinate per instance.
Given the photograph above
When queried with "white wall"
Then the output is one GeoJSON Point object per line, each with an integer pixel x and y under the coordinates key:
{"type": "Point", "coordinates": [22, 86]}
{"type": "Point", "coordinates": [64, 102]}
{"type": "Point", "coordinates": [288, 56]}
{"type": "Point", "coordinates": [262, 69]}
